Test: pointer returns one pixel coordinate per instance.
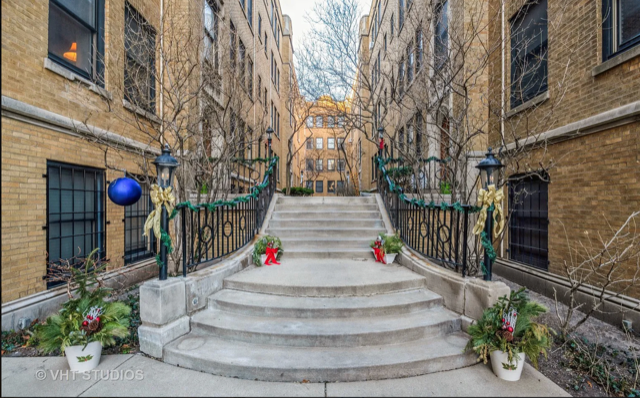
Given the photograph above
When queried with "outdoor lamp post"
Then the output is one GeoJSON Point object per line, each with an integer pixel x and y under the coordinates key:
{"type": "Point", "coordinates": [301, 177]}
{"type": "Point", "coordinates": [490, 171]}
{"type": "Point", "coordinates": [166, 166]}
{"type": "Point", "coordinates": [269, 135]}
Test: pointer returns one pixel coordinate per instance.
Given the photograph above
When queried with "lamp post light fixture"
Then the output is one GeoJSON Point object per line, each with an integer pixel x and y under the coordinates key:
{"type": "Point", "coordinates": [166, 166]}
{"type": "Point", "coordinates": [301, 177]}
{"type": "Point", "coordinates": [490, 174]}
{"type": "Point", "coordinates": [269, 136]}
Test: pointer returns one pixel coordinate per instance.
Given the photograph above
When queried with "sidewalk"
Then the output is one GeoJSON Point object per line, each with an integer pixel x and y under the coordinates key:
{"type": "Point", "coordinates": [20, 377]}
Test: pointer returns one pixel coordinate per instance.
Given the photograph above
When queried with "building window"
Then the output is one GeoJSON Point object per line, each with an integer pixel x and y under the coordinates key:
{"type": "Point", "coordinates": [310, 121]}
{"type": "Point", "coordinates": [76, 36]}
{"type": "Point", "coordinates": [331, 164]}
{"type": "Point", "coordinates": [259, 87]}
{"type": "Point", "coordinates": [211, 45]}
{"type": "Point", "coordinates": [331, 143]}
{"type": "Point", "coordinates": [308, 185]}
{"type": "Point", "coordinates": [319, 121]}
{"type": "Point", "coordinates": [340, 186]}
{"type": "Point", "coordinates": [75, 212]}
{"type": "Point", "coordinates": [340, 121]}
{"type": "Point", "coordinates": [243, 56]}
{"type": "Point", "coordinates": [250, 12]}
{"type": "Point", "coordinates": [319, 165]}
{"type": "Point", "coordinates": [401, 139]}
{"type": "Point", "coordinates": [393, 25]}
{"type": "Point", "coordinates": [331, 122]}
{"type": "Point", "coordinates": [401, 77]}
{"type": "Point", "coordinates": [400, 14]}
{"type": "Point", "coordinates": [529, 53]}
{"type": "Point", "coordinates": [319, 186]}
{"type": "Point", "coordinates": [441, 39]}
{"type": "Point", "coordinates": [309, 164]}
{"type": "Point", "coordinates": [331, 186]}
{"type": "Point", "coordinates": [259, 26]}
{"type": "Point", "coordinates": [319, 143]}
{"type": "Point", "coordinates": [341, 164]}
{"type": "Point", "coordinates": [309, 143]}
{"type": "Point", "coordinates": [341, 143]}
{"type": "Point", "coordinates": [250, 77]}
{"type": "Point", "coordinates": [385, 42]}
{"type": "Point", "coordinates": [621, 27]}
{"type": "Point", "coordinates": [140, 49]}
{"type": "Point", "coordinates": [419, 49]}
{"type": "Point", "coordinates": [529, 221]}
{"type": "Point", "coordinates": [138, 247]}
{"type": "Point", "coordinates": [232, 45]}
{"type": "Point", "coordinates": [265, 42]}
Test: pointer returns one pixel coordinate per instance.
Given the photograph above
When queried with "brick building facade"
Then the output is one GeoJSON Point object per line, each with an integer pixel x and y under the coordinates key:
{"type": "Point", "coordinates": [63, 75]}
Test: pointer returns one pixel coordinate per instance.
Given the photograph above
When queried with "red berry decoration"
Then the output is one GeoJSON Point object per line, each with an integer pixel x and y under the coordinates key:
{"type": "Point", "coordinates": [504, 327]}
{"type": "Point", "coordinates": [510, 329]}
{"type": "Point", "coordinates": [97, 319]}
{"type": "Point", "coordinates": [508, 323]}
{"type": "Point", "coordinates": [502, 320]}
{"type": "Point", "coordinates": [85, 323]}
{"type": "Point", "coordinates": [89, 317]}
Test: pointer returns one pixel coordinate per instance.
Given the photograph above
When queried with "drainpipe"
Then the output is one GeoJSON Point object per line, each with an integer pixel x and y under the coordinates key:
{"type": "Point", "coordinates": [162, 139]}
{"type": "Point", "coordinates": [502, 99]}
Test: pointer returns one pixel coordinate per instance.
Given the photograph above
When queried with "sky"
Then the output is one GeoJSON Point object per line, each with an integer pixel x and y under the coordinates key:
{"type": "Point", "coordinates": [297, 10]}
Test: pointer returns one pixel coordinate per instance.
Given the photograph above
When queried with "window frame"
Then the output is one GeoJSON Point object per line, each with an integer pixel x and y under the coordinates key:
{"type": "Point", "coordinates": [611, 32]}
{"type": "Point", "coordinates": [150, 242]}
{"type": "Point", "coordinates": [331, 143]}
{"type": "Point", "coordinates": [331, 165]}
{"type": "Point", "coordinates": [150, 101]}
{"type": "Point", "coordinates": [319, 165]}
{"type": "Point", "coordinates": [97, 39]}
{"type": "Point", "coordinates": [320, 185]}
{"type": "Point", "coordinates": [319, 143]}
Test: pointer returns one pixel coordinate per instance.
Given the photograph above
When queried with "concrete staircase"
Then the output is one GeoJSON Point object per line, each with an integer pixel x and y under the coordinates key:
{"type": "Point", "coordinates": [328, 313]}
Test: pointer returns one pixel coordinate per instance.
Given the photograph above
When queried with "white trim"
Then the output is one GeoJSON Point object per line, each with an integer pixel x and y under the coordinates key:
{"type": "Point", "coordinates": [24, 112]}
{"type": "Point", "coordinates": [613, 118]}
{"type": "Point", "coordinates": [616, 61]}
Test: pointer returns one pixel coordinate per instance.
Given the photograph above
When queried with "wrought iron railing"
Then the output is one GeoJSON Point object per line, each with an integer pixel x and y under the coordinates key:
{"type": "Point", "coordinates": [441, 232]}
{"type": "Point", "coordinates": [426, 176]}
{"type": "Point", "coordinates": [211, 231]}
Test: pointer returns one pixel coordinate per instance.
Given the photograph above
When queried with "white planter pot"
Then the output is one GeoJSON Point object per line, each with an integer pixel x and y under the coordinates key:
{"type": "Point", "coordinates": [390, 258]}
{"type": "Point", "coordinates": [263, 258]}
{"type": "Point", "coordinates": [500, 359]}
{"type": "Point", "coordinates": [83, 360]}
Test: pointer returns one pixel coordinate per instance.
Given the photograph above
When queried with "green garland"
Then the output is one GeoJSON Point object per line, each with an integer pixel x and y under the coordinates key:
{"type": "Point", "coordinates": [457, 206]}
{"type": "Point", "coordinates": [165, 239]}
{"type": "Point", "coordinates": [488, 248]}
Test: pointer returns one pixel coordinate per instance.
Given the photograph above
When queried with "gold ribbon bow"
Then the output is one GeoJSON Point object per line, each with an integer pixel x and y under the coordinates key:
{"type": "Point", "coordinates": [159, 197]}
{"type": "Point", "coordinates": [486, 198]}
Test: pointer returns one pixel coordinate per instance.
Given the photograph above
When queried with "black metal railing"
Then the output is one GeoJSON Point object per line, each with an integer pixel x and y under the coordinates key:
{"type": "Point", "coordinates": [212, 231]}
{"type": "Point", "coordinates": [425, 176]}
{"type": "Point", "coordinates": [441, 232]}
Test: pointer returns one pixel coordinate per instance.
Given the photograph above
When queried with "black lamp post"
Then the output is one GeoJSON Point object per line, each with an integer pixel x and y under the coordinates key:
{"type": "Point", "coordinates": [166, 166]}
{"type": "Point", "coordinates": [490, 174]}
{"type": "Point", "coordinates": [269, 135]}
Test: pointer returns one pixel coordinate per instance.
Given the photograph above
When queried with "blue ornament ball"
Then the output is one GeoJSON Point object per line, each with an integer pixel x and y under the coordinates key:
{"type": "Point", "coordinates": [124, 191]}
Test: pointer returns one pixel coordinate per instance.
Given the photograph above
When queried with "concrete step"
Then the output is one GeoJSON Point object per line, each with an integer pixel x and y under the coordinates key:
{"type": "Point", "coordinates": [302, 208]}
{"type": "Point", "coordinates": [326, 223]}
{"type": "Point", "coordinates": [325, 232]}
{"type": "Point", "coordinates": [322, 278]}
{"type": "Point", "coordinates": [327, 332]}
{"type": "Point", "coordinates": [269, 305]}
{"type": "Point", "coordinates": [358, 254]}
{"type": "Point", "coordinates": [326, 200]}
{"type": "Point", "coordinates": [207, 353]}
{"type": "Point", "coordinates": [327, 243]}
{"type": "Point", "coordinates": [320, 213]}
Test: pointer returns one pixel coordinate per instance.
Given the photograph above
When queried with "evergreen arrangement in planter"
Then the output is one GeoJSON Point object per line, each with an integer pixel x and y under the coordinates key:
{"type": "Point", "coordinates": [507, 332]}
{"type": "Point", "coordinates": [391, 245]}
{"type": "Point", "coordinates": [87, 323]}
{"type": "Point", "coordinates": [261, 246]}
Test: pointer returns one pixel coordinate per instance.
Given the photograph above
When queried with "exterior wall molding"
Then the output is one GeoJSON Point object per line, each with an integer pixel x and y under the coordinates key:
{"type": "Point", "coordinates": [33, 115]}
{"type": "Point", "coordinates": [616, 61]}
{"type": "Point", "coordinates": [620, 116]}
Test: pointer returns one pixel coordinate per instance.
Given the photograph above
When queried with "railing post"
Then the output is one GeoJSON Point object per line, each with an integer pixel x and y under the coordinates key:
{"type": "Point", "coordinates": [465, 241]}
{"type": "Point", "coordinates": [488, 227]}
{"type": "Point", "coordinates": [184, 242]}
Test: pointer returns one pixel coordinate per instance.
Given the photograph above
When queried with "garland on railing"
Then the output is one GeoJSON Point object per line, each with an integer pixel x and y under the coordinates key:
{"type": "Point", "coordinates": [457, 206]}
{"type": "Point", "coordinates": [233, 202]}
{"type": "Point", "coordinates": [427, 160]}
{"type": "Point", "coordinates": [165, 197]}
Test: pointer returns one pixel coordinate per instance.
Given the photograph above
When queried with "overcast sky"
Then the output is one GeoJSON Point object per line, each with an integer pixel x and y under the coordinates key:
{"type": "Point", "coordinates": [297, 10]}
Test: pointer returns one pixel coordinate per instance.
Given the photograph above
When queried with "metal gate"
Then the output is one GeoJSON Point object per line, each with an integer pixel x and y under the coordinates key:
{"type": "Point", "coordinates": [529, 222]}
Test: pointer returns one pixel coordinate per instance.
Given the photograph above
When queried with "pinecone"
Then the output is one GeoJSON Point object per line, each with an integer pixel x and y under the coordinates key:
{"type": "Point", "coordinates": [93, 327]}
{"type": "Point", "coordinates": [505, 334]}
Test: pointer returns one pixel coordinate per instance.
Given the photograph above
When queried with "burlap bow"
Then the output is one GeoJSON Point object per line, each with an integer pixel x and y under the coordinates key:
{"type": "Point", "coordinates": [486, 198]}
{"type": "Point", "coordinates": [159, 197]}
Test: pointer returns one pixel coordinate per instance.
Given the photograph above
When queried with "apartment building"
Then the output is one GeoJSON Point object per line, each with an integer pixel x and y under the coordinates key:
{"type": "Point", "coordinates": [331, 159]}
{"type": "Point", "coordinates": [421, 80]}
{"type": "Point", "coordinates": [86, 98]}
{"type": "Point", "coordinates": [573, 115]}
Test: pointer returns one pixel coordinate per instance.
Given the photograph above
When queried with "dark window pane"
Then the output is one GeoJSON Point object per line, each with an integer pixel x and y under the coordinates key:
{"type": "Point", "coordinates": [69, 40]}
{"type": "Point", "coordinates": [529, 53]}
{"type": "Point", "coordinates": [629, 20]}
{"type": "Point", "coordinates": [83, 9]}
{"type": "Point", "coordinates": [319, 186]}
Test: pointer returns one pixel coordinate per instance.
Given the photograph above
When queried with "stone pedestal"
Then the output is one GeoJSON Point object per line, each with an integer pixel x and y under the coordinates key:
{"type": "Point", "coordinates": [163, 312]}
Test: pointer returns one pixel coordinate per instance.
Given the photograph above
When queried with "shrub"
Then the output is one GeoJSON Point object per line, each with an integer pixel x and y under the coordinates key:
{"type": "Point", "coordinates": [77, 322]}
{"type": "Point", "coordinates": [526, 337]}
{"type": "Point", "coordinates": [392, 244]}
{"type": "Point", "coordinates": [300, 191]}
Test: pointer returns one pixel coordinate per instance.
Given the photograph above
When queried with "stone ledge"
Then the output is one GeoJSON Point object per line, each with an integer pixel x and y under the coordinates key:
{"type": "Point", "coordinates": [529, 104]}
{"type": "Point", "coordinates": [72, 76]}
{"type": "Point", "coordinates": [616, 61]}
{"type": "Point", "coordinates": [153, 339]}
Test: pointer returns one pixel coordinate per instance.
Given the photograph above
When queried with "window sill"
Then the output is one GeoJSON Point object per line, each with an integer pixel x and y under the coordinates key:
{"type": "Point", "coordinates": [141, 112]}
{"type": "Point", "coordinates": [72, 76]}
{"type": "Point", "coordinates": [529, 104]}
{"type": "Point", "coordinates": [616, 61]}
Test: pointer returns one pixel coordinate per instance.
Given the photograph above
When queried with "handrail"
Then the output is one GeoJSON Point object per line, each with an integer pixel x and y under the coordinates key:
{"type": "Point", "coordinates": [213, 230]}
{"type": "Point", "coordinates": [437, 231]}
